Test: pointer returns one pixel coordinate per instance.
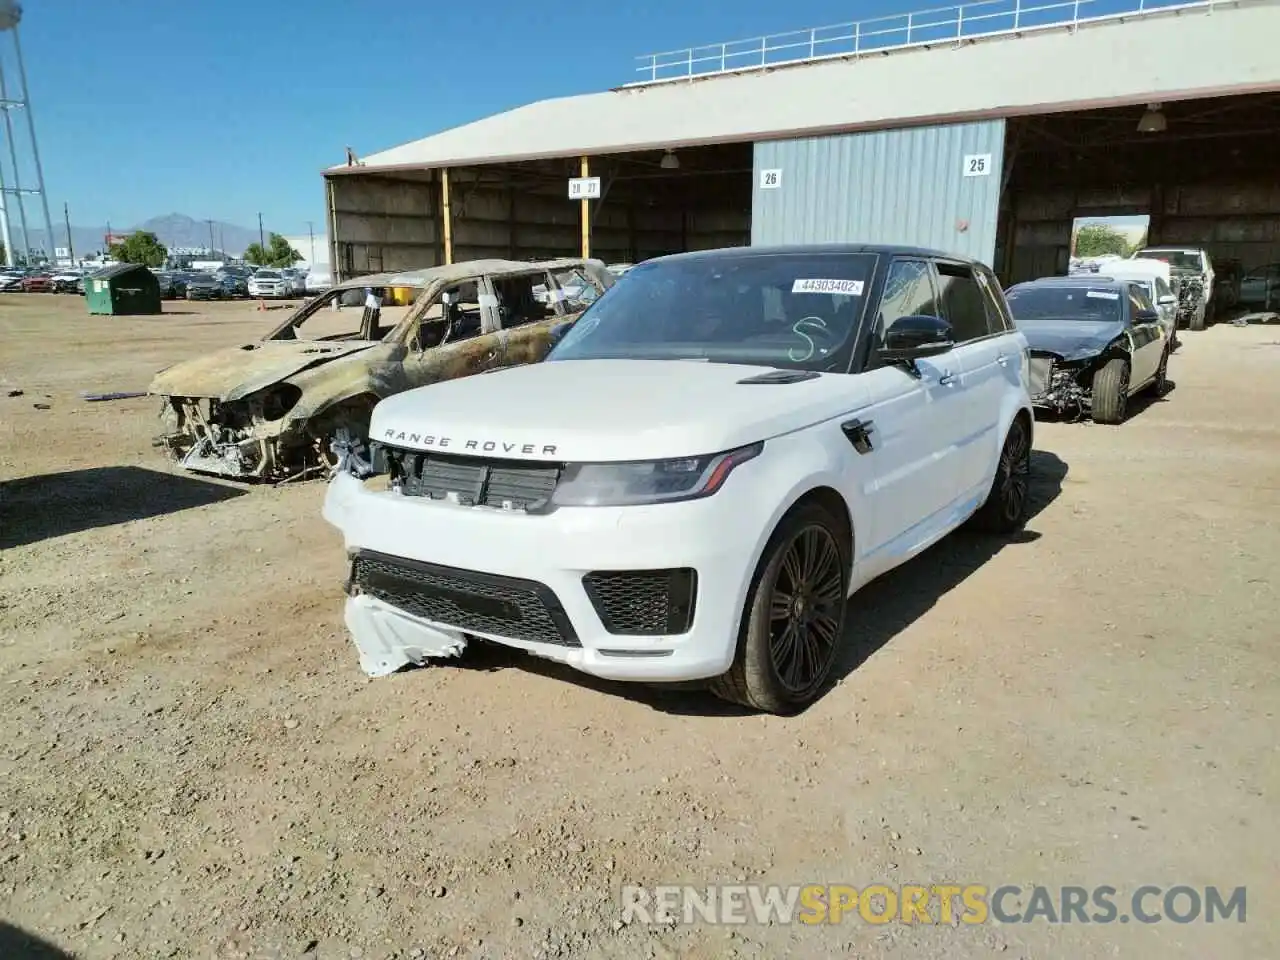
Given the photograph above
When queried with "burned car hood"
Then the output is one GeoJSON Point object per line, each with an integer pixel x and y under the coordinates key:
{"type": "Point", "coordinates": [239, 371]}
{"type": "Point", "coordinates": [1070, 339]}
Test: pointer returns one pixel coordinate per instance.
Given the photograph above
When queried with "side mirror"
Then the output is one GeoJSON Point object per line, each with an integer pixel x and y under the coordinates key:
{"type": "Point", "coordinates": [1167, 299]}
{"type": "Point", "coordinates": [1146, 316]}
{"type": "Point", "coordinates": [915, 337]}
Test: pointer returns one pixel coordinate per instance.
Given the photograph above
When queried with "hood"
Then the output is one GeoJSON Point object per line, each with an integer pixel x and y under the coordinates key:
{"type": "Point", "coordinates": [239, 371]}
{"type": "Point", "coordinates": [608, 410]}
{"type": "Point", "coordinates": [1070, 339]}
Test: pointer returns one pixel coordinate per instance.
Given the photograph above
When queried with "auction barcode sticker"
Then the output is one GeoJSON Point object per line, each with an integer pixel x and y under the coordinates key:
{"type": "Point", "coordinates": [852, 288]}
{"type": "Point", "coordinates": [1102, 295]}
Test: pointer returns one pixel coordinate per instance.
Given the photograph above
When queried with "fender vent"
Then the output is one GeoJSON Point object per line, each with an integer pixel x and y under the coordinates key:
{"type": "Point", "coordinates": [782, 376]}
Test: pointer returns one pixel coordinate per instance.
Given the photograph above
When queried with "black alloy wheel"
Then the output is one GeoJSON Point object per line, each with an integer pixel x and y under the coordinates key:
{"type": "Point", "coordinates": [1006, 508]}
{"type": "Point", "coordinates": [793, 620]}
{"type": "Point", "coordinates": [806, 611]}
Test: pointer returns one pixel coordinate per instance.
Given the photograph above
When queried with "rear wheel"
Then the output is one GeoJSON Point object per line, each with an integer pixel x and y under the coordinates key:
{"type": "Point", "coordinates": [1005, 510]}
{"type": "Point", "coordinates": [1111, 391]}
{"type": "Point", "coordinates": [794, 615]}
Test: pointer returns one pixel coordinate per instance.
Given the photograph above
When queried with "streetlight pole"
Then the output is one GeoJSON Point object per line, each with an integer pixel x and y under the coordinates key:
{"type": "Point", "coordinates": [261, 241]}
{"type": "Point", "coordinates": [311, 235]}
{"type": "Point", "coordinates": [210, 223]}
{"type": "Point", "coordinates": [66, 219]}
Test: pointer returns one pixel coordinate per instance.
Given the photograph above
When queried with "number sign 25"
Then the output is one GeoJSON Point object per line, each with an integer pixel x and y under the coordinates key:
{"type": "Point", "coordinates": [977, 165]}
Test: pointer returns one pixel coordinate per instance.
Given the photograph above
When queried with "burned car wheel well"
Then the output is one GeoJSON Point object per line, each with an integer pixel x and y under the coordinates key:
{"type": "Point", "coordinates": [348, 412]}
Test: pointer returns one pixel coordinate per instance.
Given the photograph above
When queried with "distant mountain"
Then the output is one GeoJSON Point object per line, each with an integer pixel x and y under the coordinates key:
{"type": "Point", "coordinates": [174, 230]}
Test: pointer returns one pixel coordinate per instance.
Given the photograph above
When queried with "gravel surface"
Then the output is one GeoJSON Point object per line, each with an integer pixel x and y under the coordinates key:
{"type": "Point", "coordinates": [194, 766]}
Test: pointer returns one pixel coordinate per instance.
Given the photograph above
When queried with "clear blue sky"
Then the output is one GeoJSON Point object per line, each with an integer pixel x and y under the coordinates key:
{"type": "Point", "coordinates": [222, 110]}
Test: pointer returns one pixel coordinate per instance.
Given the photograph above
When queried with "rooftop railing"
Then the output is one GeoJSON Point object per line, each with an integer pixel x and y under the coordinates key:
{"type": "Point", "coordinates": [940, 25]}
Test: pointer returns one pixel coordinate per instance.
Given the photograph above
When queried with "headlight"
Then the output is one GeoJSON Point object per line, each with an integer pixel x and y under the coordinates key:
{"type": "Point", "coordinates": [648, 481]}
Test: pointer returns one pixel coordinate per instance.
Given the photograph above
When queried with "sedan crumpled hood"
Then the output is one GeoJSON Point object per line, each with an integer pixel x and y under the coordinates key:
{"type": "Point", "coordinates": [239, 371]}
{"type": "Point", "coordinates": [1070, 339]}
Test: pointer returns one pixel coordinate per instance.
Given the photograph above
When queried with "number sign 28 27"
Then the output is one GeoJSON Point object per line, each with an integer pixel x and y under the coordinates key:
{"type": "Point", "coordinates": [977, 165]}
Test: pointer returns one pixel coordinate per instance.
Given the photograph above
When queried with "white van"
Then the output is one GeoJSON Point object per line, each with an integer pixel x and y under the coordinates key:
{"type": "Point", "coordinates": [1156, 277]}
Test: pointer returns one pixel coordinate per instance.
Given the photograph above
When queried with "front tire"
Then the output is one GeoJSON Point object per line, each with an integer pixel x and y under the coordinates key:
{"type": "Point", "coordinates": [1006, 507]}
{"type": "Point", "coordinates": [794, 615]}
{"type": "Point", "coordinates": [1111, 391]}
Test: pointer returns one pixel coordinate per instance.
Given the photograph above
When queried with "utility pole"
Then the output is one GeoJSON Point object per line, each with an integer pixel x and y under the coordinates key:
{"type": "Point", "coordinates": [261, 242]}
{"type": "Point", "coordinates": [311, 235]}
{"type": "Point", "coordinates": [66, 219]}
{"type": "Point", "coordinates": [210, 223]}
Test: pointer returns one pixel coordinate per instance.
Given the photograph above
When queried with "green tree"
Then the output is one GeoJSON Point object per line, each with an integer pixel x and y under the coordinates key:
{"type": "Point", "coordinates": [142, 247]}
{"type": "Point", "coordinates": [277, 253]}
{"type": "Point", "coordinates": [1098, 239]}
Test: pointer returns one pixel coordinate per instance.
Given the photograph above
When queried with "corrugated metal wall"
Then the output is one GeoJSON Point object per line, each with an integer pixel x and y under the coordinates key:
{"type": "Point", "coordinates": [887, 186]}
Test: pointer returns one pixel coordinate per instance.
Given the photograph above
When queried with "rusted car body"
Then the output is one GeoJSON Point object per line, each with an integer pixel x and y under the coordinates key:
{"type": "Point", "coordinates": [291, 404]}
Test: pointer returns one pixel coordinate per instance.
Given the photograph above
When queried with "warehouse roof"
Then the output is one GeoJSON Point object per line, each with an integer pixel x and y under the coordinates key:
{"type": "Point", "coordinates": [1179, 54]}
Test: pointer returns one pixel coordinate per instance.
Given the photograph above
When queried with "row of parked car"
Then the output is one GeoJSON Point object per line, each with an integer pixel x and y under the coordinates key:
{"type": "Point", "coordinates": [228, 282]}
{"type": "Point", "coordinates": [593, 502]}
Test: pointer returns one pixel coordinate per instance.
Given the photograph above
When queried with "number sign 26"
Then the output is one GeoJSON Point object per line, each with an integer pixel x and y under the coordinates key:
{"type": "Point", "coordinates": [770, 179]}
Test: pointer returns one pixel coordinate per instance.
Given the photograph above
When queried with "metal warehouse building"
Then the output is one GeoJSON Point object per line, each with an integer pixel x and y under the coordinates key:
{"type": "Point", "coordinates": [981, 130]}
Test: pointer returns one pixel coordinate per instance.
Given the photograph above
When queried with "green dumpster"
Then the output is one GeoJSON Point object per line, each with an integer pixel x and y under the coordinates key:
{"type": "Point", "coordinates": [123, 289]}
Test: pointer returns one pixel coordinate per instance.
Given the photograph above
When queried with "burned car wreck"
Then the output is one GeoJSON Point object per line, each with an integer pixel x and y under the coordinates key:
{"type": "Point", "coordinates": [1094, 342]}
{"type": "Point", "coordinates": [296, 402]}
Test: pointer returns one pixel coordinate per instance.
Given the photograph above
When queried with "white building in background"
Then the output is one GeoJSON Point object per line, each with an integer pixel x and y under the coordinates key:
{"type": "Point", "coordinates": [314, 249]}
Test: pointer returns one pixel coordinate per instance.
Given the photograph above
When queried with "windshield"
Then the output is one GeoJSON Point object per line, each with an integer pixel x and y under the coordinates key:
{"type": "Point", "coordinates": [1063, 303]}
{"type": "Point", "coordinates": [268, 274]}
{"type": "Point", "coordinates": [797, 310]}
{"type": "Point", "coordinates": [1177, 259]}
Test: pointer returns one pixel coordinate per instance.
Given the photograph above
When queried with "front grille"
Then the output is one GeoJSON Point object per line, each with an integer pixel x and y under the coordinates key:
{"type": "Point", "coordinates": [643, 602]}
{"type": "Point", "coordinates": [474, 481]}
{"type": "Point", "coordinates": [464, 599]}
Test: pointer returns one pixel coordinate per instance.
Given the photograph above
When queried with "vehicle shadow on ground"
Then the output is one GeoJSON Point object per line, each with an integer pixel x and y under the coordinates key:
{"type": "Point", "coordinates": [877, 613]}
{"type": "Point", "coordinates": [18, 945]}
{"type": "Point", "coordinates": [1148, 398]}
{"type": "Point", "coordinates": [55, 504]}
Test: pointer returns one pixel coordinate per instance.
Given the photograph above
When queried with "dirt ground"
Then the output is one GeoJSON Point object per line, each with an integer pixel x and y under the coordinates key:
{"type": "Point", "coordinates": [194, 766]}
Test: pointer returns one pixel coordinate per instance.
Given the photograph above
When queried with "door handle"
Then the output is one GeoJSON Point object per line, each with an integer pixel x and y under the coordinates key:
{"type": "Point", "coordinates": [1003, 359]}
{"type": "Point", "coordinates": [491, 355]}
{"type": "Point", "coordinates": [947, 379]}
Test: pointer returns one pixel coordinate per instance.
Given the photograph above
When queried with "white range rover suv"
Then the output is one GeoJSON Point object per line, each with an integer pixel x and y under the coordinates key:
{"type": "Point", "coordinates": [718, 453]}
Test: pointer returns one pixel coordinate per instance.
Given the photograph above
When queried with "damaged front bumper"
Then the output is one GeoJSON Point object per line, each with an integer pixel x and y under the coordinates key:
{"type": "Point", "coordinates": [1060, 387]}
{"type": "Point", "coordinates": [237, 440]}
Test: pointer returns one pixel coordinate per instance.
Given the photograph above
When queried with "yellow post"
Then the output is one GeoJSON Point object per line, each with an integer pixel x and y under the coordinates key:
{"type": "Point", "coordinates": [586, 214]}
{"type": "Point", "coordinates": [446, 215]}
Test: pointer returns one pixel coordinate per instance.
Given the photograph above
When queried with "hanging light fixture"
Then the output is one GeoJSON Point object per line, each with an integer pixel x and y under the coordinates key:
{"type": "Point", "coordinates": [670, 161]}
{"type": "Point", "coordinates": [1153, 120]}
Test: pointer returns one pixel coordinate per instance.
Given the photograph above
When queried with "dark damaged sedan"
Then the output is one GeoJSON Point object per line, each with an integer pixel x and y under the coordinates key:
{"type": "Point", "coordinates": [1094, 344]}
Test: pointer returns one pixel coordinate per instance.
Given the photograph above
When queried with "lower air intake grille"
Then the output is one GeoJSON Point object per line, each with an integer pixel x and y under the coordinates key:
{"type": "Point", "coordinates": [643, 602]}
{"type": "Point", "coordinates": [464, 599]}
